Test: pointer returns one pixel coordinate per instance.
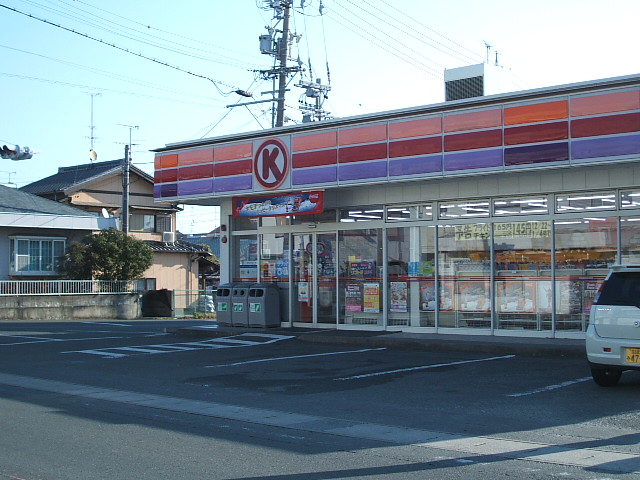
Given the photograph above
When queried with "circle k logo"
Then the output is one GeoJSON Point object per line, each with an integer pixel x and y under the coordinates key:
{"type": "Point", "coordinates": [271, 164]}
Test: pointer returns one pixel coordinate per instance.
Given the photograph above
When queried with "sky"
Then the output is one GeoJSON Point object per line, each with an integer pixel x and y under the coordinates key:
{"type": "Point", "coordinates": [77, 74]}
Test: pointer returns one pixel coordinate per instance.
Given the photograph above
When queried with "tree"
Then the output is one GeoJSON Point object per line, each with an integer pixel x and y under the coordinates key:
{"type": "Point", "coordinates": [107, 255]}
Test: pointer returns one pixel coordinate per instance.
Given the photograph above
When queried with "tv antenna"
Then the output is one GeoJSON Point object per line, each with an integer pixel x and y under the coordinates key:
{"type": "Point", "coordinates": [92, 153]}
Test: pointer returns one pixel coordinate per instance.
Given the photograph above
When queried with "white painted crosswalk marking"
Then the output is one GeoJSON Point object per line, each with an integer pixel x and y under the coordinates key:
{"type": "Point", "coordinates": [235, 341]}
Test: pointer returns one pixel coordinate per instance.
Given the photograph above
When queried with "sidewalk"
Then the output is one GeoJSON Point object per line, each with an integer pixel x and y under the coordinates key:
{"type": "Point", "coordinates": [418, 341]}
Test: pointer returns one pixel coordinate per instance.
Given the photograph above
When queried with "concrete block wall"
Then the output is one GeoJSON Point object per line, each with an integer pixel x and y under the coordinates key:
{"type": "Point", "coordinates": [69, 307]}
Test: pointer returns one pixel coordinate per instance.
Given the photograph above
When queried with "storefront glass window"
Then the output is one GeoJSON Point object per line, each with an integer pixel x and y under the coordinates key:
{"type": "Point", "coordinates": [586, 202]}
{"type": "Point", "coordinates": [374, 212]}
{"type": "Point", "coordinates": [302, 295]}
{"type": "Point", "coordinates": [464, 281]}
{"type": "Point", "coordinates": [520, 206]}
{"type": "Point", "coordinates": [585, 248]}
{"type": "Point", "coordinates": [630, 199]}
{"type": "Point", "coordinates": [630, 240]}
{"type": "Point", "coordinates": [464, 209]}
{"type": "Point", "coordinates": [274, 257]}
{"type": "Point", "coordinates": [360, 282]}
{"type": "Point", "coordinates": [328, 216]}
{"type": "Point", "coordinates": [523, 287]}
{"type": "Point", "coordinates": [243, 224]}
{"type": "Point", "coordinates": [401, 213]}
{"type": "Point", "coordinates": [245, 249]}
{"type": "Point", "coordinates": [411, 276]}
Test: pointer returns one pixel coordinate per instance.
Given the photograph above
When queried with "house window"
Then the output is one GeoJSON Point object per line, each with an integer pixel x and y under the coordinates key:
{"type": "Point", "coordinates": [139, 222]}
{"type": "Point", "coordinates": [163, 223]}
{"type": "Point", "coordinates": [35, 255]}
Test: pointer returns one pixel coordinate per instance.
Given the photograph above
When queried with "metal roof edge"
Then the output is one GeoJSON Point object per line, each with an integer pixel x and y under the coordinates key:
{"type": "Point", "coordinates": [627, 80]}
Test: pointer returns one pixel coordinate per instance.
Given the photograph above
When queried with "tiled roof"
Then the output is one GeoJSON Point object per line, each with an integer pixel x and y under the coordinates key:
{"type": "Point", "coordinates": [184, 247]}
{"type": "Point", "coordinates": [69, 176]}
{"type": "Point", "coordinates": [17, 201]}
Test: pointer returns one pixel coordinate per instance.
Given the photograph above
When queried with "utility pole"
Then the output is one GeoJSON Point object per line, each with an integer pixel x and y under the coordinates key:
{"type": "Point", "coordinates": [126, 167]}
{"type": "Point", "coordinates": [278, 48]}
{"type": "Point", "coordinates": [283, 52]}
{"type": "Point", "coordinates": [125, 189]}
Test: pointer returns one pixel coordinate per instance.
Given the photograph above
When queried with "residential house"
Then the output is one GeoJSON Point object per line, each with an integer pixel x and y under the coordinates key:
{"type": "Point", "coordinates": [34, 231]}
{"type": "Point", "coordinates": [98, 188]}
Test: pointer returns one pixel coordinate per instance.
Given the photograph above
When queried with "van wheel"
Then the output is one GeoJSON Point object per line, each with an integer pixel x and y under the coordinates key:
{"type": "Point", "coordinates": [606, 376]}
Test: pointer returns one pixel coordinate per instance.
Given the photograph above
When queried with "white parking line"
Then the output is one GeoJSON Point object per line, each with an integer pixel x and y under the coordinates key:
{"type": "Point", "coordinates": [107, 323]}
{"type": "Point", "coordinates": [423, 367]}
{"type": "Point", "coordinates": [50, 340]}
{"type": "Point", "coordinates": [550, 387]}
{"type": "Point", "coordinates": [215, 343]}
{"type": "Point", "coordinates": [276, 359]}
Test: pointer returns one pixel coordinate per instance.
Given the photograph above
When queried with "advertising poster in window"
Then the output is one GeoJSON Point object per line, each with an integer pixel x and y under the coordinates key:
{"type": "Point", "coordinates": [303, 291]}
{"type": "Point", "coordinates": [473, 296]}
{"type": "Point", "coordinates": [568, 296]}
{"type": "Point", "coordinates": [446, 295]}
{"type": "Point", "coordinates": [544, 296]}
{"type": "Point", "coordinates": [591, 287]}
{"type": "Point", "coordinates": [428, 296]}
{"type": "Point", "coordinates": [361, 269]}
{"type": "Point", "coordinates": [398, 292]}
{"type": "Point", "coordinates": [353, 297]}
{"type": "Point", "coordinates": [371, 297]}
{"type": "Point", "coordinates": [516, 296]}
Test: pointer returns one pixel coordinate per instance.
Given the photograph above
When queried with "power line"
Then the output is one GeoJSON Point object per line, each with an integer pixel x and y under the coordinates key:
{"type": "Point", "coordinates": [140, 55]}
{"type": "Point", "coordinates": [155, 41]}
{"type": "Point", "coordinates": [101, 89]}
{"type": "Point", "coordinates": [104, 73]}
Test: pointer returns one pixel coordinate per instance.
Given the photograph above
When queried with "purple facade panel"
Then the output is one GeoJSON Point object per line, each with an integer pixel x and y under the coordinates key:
{"type": "Point", "coordinates": [230, 184]}
{"type": "Point", "coordinates": [415, 165]}
{"type": "Point", "coordinates": [166, 190]}
{"type": "Point", "coordinates": [318, 175]}
{"type": "Point", "coordinates": [196, 187]}
{"type": "Point", "coordinates": [473, 160]}
{"type": "Point", "coordinates": [362, 171]}
{"type": "Point", "coordinates": [605, 147]}
{"type": "Point", "coordinates": [534, 154]}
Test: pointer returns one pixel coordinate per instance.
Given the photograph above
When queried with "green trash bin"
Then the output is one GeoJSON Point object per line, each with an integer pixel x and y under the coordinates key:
{"type": "Point", "coordinates": [264, 305]}
{"type": "Point", "coordinates": [224, 307]}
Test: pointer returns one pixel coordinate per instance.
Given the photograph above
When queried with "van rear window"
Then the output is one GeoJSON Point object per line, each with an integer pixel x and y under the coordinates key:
{"type": "Point", "coordinates": [622, 288]}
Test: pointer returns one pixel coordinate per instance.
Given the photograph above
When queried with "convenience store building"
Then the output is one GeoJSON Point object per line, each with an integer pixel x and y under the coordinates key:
{"type": "Point", "coordinates": [495, 215]}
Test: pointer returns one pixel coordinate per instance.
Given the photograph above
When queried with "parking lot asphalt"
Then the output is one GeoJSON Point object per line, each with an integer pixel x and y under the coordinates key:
{"type": "Point", "coordinates": [498, 344]}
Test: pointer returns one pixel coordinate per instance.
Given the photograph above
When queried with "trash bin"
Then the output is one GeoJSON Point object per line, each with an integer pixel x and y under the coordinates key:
{"type": "Point", "coordinates": [224, 308]}
{"type": "Point", "coordinates": [264, 305]}
{"type": "Point", "coordinates": [239, 296]}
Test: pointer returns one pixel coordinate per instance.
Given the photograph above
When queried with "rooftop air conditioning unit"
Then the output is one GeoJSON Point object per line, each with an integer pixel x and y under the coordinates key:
{"type": "Point", "coordinates": [168, 237]}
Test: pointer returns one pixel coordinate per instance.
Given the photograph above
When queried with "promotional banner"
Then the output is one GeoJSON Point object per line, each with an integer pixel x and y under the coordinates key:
{"type": "Point", "coordinates": [303, 203]}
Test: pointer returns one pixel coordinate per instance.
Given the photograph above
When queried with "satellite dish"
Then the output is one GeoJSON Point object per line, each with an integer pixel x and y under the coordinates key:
{"type": "Point", "coordinates": [93, 155]}
{"type": "Point", "coordinates": [105, 214]}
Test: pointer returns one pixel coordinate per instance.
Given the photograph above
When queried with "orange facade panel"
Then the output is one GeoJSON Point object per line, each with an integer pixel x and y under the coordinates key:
{"type": "Point", "coordinates": [610, 102]}
{"type": "Point", "coordinates": [415, 128]}
{"type": "Point", "coordinates": [314, 141]}
{"type": "Point", "coordinates": [537, 112]}
{"type": "Point", "coordinates": [166, 161]}
{"type": "Point", "coordinates": [371, 133]}
{"type": "Point", "coordinates": [194, 157]}
{"type": "Point", "coordinates": [472, 120]}
{"type": "Point", "coordinates": [233, 152]}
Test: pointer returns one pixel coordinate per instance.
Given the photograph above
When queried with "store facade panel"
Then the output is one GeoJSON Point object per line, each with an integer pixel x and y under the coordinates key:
{"type": "Point", "coordinates": [497, 215]}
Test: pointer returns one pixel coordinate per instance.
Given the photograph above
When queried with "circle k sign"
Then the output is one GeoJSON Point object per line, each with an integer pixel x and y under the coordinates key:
{"type": "Point", "coordinates": [271, 164]}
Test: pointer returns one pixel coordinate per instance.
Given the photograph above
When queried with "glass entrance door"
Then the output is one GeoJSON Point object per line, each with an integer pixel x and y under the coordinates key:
{"type": "Point", "coordinates": [314, 278]}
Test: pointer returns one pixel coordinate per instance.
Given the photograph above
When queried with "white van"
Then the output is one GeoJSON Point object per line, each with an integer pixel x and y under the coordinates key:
{"type": "Point", "coordinates": [613, 335]}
